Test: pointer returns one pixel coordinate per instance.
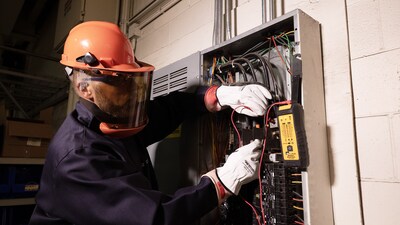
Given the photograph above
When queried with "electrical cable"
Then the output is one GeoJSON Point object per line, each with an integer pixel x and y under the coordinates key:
{"type": "Point", "coordinates": [249, 64]}
{"type": "Point", "coordinates": [232, 65]}
{"type": "Point", "coordinates": [299, 208]}
{"type": "Point", "coordinates": [283, 61]}
{"type": "Point", "coordinates": [254, 210]}
{"type": "Point", "coordinates": [264, 66]}
{"type": "Point", "coordinates": [240, 144]}
{"type": "Point", "coordinates": [259, 44]}
{"type": "Point", "coordinates": [263, 151]}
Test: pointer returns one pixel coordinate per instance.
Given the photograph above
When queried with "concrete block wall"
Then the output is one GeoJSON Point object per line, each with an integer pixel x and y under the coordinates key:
{"type": "Point", "coordinates": [362, 89]}
{"type": "Point", "coordinates": [182, 30]}
{"type": "Point", "coordinates": [375, 51]}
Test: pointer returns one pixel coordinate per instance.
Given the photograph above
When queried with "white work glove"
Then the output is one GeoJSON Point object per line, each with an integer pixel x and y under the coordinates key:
{"type": "Point", "coordinates": [241, 167]}
{"type": "Point", "coordinates": [249, 99]}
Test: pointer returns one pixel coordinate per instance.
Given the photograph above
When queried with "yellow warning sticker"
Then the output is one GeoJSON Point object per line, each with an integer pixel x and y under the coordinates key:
{"type": "Point", "coordinates": [31, 187]}
{"type": "Point", "coordinates": [288, 137]}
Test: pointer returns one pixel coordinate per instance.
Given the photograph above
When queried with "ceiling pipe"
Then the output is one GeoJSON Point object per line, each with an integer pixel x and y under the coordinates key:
{"type": "Point", "coordinates": [228, 19]}
{"type": "Point", "coordinates": [272, 9]}
{"type": "Point", "coordinates": [29, 53]}
{"type": "Point", "coordinates": [8, 93]}
{"type": "Point", "coordinates": [217, 37]}
{"type": "Point", "coordinates": [61, 95]}
{"type": "Point", "coordinates": [268, 10]}
{"type": "Point", "coordinates": [29, 76]}
{"type": "Point", "coordinates": [151, 12]}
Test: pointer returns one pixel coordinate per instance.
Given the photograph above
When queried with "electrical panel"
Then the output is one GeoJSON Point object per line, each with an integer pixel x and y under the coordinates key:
{"type": "Point", "coordinates": [283, 55]}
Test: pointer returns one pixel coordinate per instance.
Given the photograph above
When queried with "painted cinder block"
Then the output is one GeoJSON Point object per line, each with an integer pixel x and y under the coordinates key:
{"type": "Point", "coordinates": [191, 20]}
{"type": "Point", "coordinates": [153, 42]}
{"type": "Point", "coordinates": [373, 26]}
{"type": "Point", "coordinates": [395, 128]}
{"type": "Point", "coordinates": [376, 84]}
{"type": "Point", "coordinates": [248, 16]}
{"type": "Point", "coordinates": [365, 30]}
{"type": "Point", "coordinates": [375, 148]}
{"type": "Point", "coordinates": [380, 203]}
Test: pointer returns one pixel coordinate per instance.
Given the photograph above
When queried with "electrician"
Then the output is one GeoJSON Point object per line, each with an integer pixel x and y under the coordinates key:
{"type": "Point", "coordinates": [97, 168]}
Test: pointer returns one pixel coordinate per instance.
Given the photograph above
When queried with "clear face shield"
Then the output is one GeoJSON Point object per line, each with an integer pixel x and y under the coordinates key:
{"type": "Point", "coordinates": [122, 97]}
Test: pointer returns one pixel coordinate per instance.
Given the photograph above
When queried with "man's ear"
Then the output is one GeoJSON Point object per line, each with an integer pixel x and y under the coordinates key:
{"type": "Point", "coordinates": [85, 90]}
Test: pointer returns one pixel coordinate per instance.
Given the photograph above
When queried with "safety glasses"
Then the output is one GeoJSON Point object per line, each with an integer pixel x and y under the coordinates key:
{"type": "Point", "coordinates": [117, 79]}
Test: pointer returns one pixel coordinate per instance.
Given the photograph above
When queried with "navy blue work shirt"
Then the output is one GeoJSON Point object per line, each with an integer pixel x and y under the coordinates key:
{"type": "Point", "coordinates": [90, 178]}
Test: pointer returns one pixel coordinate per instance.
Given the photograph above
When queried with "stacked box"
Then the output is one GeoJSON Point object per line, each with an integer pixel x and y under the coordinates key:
{"type": "Point", "coordinates": [26, 139]}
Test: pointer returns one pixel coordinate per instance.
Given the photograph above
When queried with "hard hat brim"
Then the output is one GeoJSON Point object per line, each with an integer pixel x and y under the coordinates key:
{"type": "Point", "coordinates": [126, 68]}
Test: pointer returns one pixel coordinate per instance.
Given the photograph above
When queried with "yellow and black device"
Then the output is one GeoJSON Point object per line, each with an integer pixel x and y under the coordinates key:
{"type": "Point", "coordinates": [293, 135]}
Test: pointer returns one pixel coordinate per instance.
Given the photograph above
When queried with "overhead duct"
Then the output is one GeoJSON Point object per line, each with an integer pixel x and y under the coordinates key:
{"type": "Point", "coordinates": [9, 14]}
{"type": "Point", "coordinates": [71, 13]}
{"type": "Point", "coordinates": [144, 12]}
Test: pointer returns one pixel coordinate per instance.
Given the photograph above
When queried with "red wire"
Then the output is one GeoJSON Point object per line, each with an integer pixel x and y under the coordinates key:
{"type": "Point", "coordinates": [233, 123]}
{"type": "Point", "coordinates": [261, 157]}
{"type": "Point", "coordinates": [254, 210]}
{"type": "Point", "coordinates": [283, 61]}
{"type": "Point", "coordinates": [240, 144]}
{"type": "Point", "coordinates": [262, 154]}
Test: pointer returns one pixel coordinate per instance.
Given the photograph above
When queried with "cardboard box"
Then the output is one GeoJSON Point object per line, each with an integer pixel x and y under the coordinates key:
{"type": "Point", "coordinates": [26, 139]}
{"type": "Point", "coordinates": [46, 115]}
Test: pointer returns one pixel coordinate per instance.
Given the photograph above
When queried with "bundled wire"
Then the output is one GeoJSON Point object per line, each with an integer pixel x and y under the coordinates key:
{"type": "Point", "coordinates": [233, 65]}
{"type": "Point", "coordinates": [269, 79]}
{"type": "Point", "coordinates": [249, 65]}
{"type": "Point", "coordinates": [284, 41]}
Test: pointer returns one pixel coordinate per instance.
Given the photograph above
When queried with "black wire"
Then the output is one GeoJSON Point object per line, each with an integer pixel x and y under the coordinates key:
{"type": "Point", "coordinates": [273, 81]}
{"type": "Point", "coordinates": [232, 64]}
{"type": "Point", "coordinates": [250, 65]}
{"type": "Point", "coordinates": [264, 66]}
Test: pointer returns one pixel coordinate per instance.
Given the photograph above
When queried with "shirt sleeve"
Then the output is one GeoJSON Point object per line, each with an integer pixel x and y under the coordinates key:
{"type": "Point", "coordinates": [94, 188]}
{"type": "Point", "coordinates": [166, 113]}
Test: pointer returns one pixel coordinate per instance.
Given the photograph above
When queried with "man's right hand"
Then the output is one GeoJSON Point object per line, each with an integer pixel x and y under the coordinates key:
{"type": "Point", "coordinates": [241, 167]}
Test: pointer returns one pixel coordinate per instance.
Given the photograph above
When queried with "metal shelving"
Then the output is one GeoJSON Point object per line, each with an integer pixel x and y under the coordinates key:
{"type": "Point", "coordinates": [24, 161]}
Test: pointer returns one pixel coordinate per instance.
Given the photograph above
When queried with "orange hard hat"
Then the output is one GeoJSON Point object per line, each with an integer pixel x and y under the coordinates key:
{"type": "Point", "coordinates": [102, 46]}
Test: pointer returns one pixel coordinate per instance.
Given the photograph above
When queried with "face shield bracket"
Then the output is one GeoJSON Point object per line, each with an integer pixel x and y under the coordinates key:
{"type": "Point", "coordinates": [88, 59]}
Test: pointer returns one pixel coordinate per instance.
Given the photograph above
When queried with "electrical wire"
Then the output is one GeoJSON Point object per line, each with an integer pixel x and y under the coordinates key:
{"type": "Point", "coordinates": [232, 65]}
{"type": "Point", "coordinates": [250, 66]}
{"type": "Point", "coordinates": [254, 210]}
{"type": "Point", "coordinates": [263, 151]}
{"type": "Point", "coordinates": [240, 144]}
{"type": "Point", "coordinates": [299, 208]}
{"type": "Point", "coordinates": [296, 193]}
{"type": "Point", "coordinates": [221, 64]}
{"type": "Point", "coordinates": [298, 217]}
{"type": "Point", "coordinates": [283, 61]}
{"type": "Point", "coordinates": [264, 66]}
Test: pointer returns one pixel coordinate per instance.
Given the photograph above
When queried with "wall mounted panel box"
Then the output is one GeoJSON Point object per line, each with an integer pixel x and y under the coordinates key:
{"type": "Point", "coordinates": [284, 55]}
{"type": "Point", "coordinates": [171, 155]}
{"type": "Point", "coordinates": [179, 76]}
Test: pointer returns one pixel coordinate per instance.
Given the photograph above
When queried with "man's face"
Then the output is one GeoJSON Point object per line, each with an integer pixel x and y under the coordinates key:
{"type": "Point", "coordinates": [122, 98]}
